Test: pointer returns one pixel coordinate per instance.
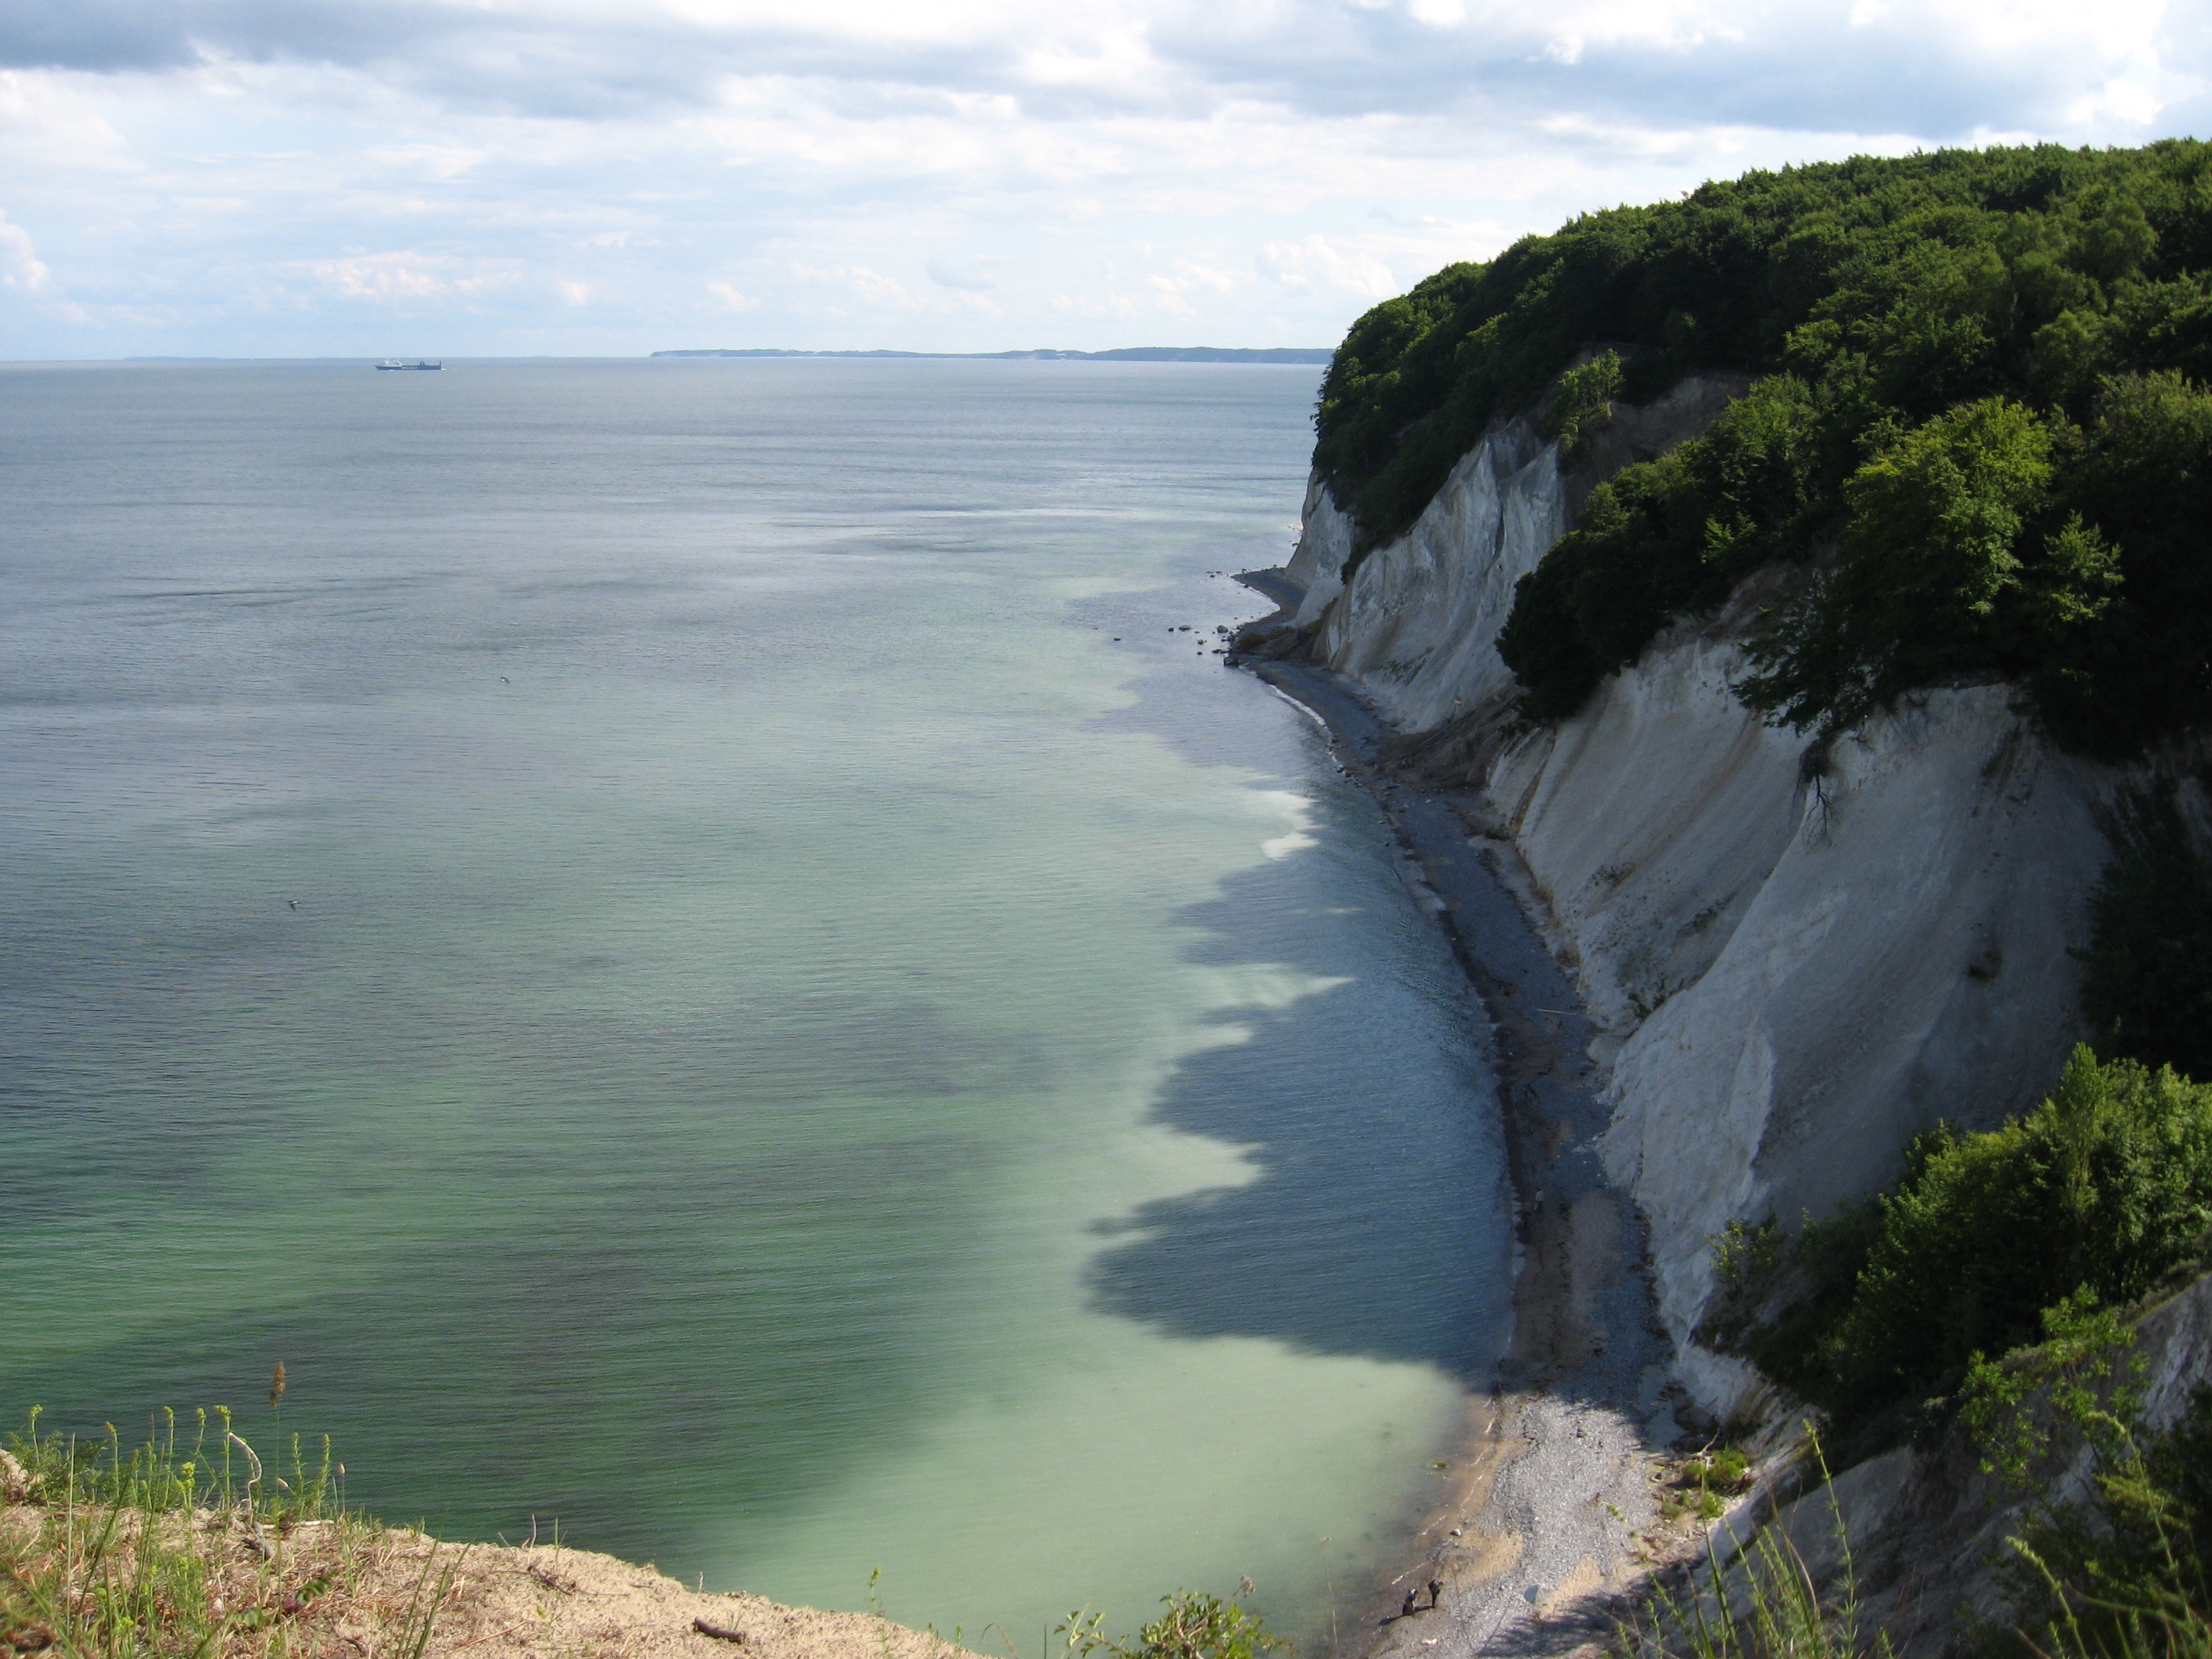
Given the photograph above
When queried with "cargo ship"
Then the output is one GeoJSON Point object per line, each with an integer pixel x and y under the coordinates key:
{"type": "Point", "coordinates": [420, 362]}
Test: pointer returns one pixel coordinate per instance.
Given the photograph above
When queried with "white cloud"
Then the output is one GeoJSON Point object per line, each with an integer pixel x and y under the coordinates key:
{"type": "Point", "coordinates": [1318, 262]}
{"type": "Point", "coordinates": [21, 268]}
{"type": "Point", "coordinates": [871, 286]}
{"type": "Point", "coordinates": [385, 278]}
{"type": "Point", "coordinates": [960, 274]}
{"type": "Point", "coordinates": [441, 163]}
{"type": "Point", "coordinates": [272, 177]}
{"type": "Point", "coordinates": [2118, 102]}
{"type": "Point", "coordinates": [1167, 298]}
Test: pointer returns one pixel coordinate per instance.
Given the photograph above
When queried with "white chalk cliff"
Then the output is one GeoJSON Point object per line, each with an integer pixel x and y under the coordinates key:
{"type": "Point", "coordinates": [1799, 959]}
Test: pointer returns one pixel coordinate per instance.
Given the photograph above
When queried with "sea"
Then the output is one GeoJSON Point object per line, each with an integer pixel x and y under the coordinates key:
{"type": "Point", "coordinates": [708, 954]}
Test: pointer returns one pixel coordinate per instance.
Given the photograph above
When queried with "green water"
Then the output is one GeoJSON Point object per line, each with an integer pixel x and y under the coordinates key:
{"type": "Point", "coordinates": [635, 926]}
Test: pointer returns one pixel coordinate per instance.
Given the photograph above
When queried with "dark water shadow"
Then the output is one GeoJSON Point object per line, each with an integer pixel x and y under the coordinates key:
{"type": "Point", "coordinates": [1366, 1233]}
{"type": "Point", "coordinates": [1378, 1223]}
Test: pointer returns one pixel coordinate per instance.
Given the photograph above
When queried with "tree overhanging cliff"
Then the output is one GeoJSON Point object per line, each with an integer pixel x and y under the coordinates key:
{"type": "Point", "coordinates": [1982, 428]}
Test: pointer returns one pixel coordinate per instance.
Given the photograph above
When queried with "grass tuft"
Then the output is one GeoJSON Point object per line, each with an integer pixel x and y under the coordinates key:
{"type": "Point", "coordinates": [1762, 1604]}
{"type": "Point", "coordinates": [159, 1551]}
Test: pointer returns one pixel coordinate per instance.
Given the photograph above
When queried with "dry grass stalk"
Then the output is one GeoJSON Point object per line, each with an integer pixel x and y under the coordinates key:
{"type": "Point", "coordinates": [170, 1552]}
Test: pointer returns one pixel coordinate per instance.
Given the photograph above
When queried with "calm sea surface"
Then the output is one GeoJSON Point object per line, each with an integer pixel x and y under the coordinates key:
{"type": "Point", "coordinates": [635, 925]}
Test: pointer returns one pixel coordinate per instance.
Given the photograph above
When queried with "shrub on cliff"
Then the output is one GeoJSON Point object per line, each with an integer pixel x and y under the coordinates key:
{"type": "Point", "coordinates": [2141, 472]}
{"type": "Point", "coordinates": [2104, 1188]}
{"type": "Point", "coordinates": [2116, 1565]}
{"type": "Point", "coordinates": [1991, 540]}
{"type": "Point", "coordinates": [2147, 975]}
{"type": "Point", "coordinates": [2131, 1570]}
{"type": "Point", "coordinates": [1950, 559]}
{"type": "Point", "coordinates": [1674, 535]}
{"type": "Point", "coordinates": [1582, 404]}
{"type": "Point", "coordinates": [1194, 1626]}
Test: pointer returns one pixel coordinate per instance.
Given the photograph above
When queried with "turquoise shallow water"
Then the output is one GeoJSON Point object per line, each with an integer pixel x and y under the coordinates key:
{"type": "Point", "coordinates": [635, 925]}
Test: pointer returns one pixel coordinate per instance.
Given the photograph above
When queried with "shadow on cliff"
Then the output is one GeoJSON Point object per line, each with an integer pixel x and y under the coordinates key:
{"type": "Point", "coordinates": [1378, 1224]}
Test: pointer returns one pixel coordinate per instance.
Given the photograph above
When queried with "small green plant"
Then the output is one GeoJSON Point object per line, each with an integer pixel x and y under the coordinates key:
{"type": "Point", "coordinates": [2128, 1573]}
{"type": "Point", "coordinates": [1743, 1252]}
{"type": "Point", "coordinates": [1194, 1627]}
{"type": "Point", "coordinates": [1762, 1605]}
{"type": "Point", "coordinates": [1724, 1469]}
{"type": "Point", "coordinates": [190, 1550]}
{"type": "Point", "coordinates": [432, 1588]}
{"type": "Point", "coordinates": [2147, 974]}
{"type": "Point", "coordinates": [876, 1610]}
{"type": "Point", "coordinates": [2102, 1193]}
{"type": "Point", "coordinates": [1693, 1503]}
{"type": "Point", "coordinates": [1703, 1483]}
{"type": "Point", "coordinates": [2077, 1367]}
{"type": "Point", "coordinates": [1582, 403]}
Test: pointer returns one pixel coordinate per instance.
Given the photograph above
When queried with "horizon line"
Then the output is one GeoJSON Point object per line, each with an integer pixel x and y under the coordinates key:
{"type": "Point", "coordinates": [1295, 355]}
{"type": "Point", "coordinates": [1126, 354]}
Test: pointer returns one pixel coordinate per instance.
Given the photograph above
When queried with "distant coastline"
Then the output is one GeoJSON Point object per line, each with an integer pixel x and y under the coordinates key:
{"type": "Point", "coordinates": [1123, 355]}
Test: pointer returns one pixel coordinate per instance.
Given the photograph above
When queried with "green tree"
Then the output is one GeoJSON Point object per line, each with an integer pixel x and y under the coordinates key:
{"type": "Point", "coordinates": [2142, 475]}
{"type": "Point", "coordinates": [1943, 317]}
{"type": "Point", "coordinates": [2147, 975]}
{"type": "Point", "coordinates": [2099, 1196]}
{"type": "Point", "coordinates": [1665, 535]}
{"type": "Point", "coordinates": [1582, 403]}
{"type": "Point", "coordinates": [2106, 1187]}
{"type": "Point", "coordinates": [1932, 577]}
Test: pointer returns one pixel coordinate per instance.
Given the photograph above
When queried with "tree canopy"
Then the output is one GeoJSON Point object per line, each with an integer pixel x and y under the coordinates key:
{"type": "Point", "coordinates": [1981, 424]}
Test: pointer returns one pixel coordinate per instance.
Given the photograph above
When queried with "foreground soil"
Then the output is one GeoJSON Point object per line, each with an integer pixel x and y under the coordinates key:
{"type": "Point", "coordinates": [232, 1583]}
{"type": "Point", "coordinates": [542, 1601]}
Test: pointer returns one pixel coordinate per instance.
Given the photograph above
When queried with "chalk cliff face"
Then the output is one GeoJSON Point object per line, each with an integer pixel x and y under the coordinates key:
{"type": "Point", "coordinates": [1800, 957]}
{"type": "Point", "coordinates": [1417, 624]}
{"type": "Point", "coordinates": [1806, 971]}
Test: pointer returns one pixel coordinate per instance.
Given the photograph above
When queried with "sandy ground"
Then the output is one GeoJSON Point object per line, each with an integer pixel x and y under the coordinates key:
{"type": "Point", "coordinates": [544, 1601]}
{"type": "Point", "coordinates": [1555, 1514]}
{"type": "Point", "coordinates": [359, 1591]}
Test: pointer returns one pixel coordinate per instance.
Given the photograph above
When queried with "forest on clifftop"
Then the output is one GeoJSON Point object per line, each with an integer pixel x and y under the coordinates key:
{"type": "Point", "coordinates": [1981, 428]}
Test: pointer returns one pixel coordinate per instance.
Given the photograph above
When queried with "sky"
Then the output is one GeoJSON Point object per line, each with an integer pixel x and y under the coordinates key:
{"type": "Point", "coordinates": [305, 177]}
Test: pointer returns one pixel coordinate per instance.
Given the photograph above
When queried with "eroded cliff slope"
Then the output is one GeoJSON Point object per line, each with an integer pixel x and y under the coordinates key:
{"type": "Point", "coordinates": [1799, 952]}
